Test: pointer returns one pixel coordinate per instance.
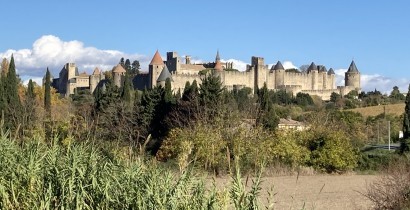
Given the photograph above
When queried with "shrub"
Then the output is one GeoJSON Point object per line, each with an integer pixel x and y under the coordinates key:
{"type": "Point", "coordinates": [375, 160]}
{"type": "Point", "coordinates": [202, 144]}
{"type": "Point", "coordinates": [331, 151]}
{"type": "Point", "coordinates": [392, 188]}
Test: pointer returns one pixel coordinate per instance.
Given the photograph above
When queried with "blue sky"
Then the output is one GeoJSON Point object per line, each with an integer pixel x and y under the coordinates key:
{"type": "Point", "coordinates": [375, 33]}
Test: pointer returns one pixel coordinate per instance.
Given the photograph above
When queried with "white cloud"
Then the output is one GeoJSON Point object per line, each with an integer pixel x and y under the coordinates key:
{"type": "Point", "coordinates": [37, 80]}
{"type": "Point", "coordinates": [369, 82]}
{"type": "Point", "coordinates": [50, 51]}
{"type": "Point", "coordinates": [289, 65]}
{"type": "Point", "coordinates": [237, 64]}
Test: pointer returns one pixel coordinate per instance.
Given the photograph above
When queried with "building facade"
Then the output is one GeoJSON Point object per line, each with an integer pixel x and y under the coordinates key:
{"type": "Point", "coordinates": [317, 80]}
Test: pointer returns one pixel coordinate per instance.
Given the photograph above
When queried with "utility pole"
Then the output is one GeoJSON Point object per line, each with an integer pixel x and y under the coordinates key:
{"type": "Point", "coordinates": [378, 131]}
{"type": "Point", "coordinates": [388, 124]}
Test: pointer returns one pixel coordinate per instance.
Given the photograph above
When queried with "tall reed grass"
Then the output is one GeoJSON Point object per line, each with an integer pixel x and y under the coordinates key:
{"type": "Point", "coordinates": [36, 175]}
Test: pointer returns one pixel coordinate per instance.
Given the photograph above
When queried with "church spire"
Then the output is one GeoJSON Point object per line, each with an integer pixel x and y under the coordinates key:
{"type": "Point", "coordinates": [217, 58]}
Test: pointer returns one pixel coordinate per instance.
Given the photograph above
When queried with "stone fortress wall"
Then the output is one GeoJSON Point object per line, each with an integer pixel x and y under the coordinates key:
{"type": "Point", "coordinates": [317, 80]}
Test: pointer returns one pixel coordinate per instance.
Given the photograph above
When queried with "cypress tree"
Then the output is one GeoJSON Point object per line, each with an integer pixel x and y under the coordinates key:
{"type": "Point", "coordinates": [2, 99]}
{"type": "Point", "coordinates": [194, 88]}
{"type": "Point", "coordinates": [47, 94]}
{"type": "Point", "coordinates": [178, 94]}
{"type": "Point", "coordinates": [267, 116]}
{"type": "Point", "coordinates": [12, 85]}
{"type": "Point", "coordinates": [126, 90]}
{"type": "Point", "coordinates": [30, 107]}
{"type": "Point", "coordinates": [406, 125]}
{"type": "Point", "coordinates": [30, 90]}
{"type": "Point", "coordinates": [211, 90]}
{"type": "Point", "coordinates": [168, 97]}
{"type": "Point", "coordinates": [13, 113]}
{"type": "Point", "coordinates": [187, 89]}
{"type": "Point", "coordinates": [264, 99]}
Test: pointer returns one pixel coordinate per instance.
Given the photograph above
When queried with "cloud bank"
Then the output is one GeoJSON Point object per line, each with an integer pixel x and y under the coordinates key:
{"type": "Point", "coordinates": [50, 51]}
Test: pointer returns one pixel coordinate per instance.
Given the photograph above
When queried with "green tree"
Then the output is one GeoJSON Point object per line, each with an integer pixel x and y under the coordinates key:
{"type": "Point", "coordinates": [13, 113]}
{"type": "Point", "coordinates": [405, 144]}
{"type": "Point", "coordinates": [3, 103]}
{"type": "Point", "coordinates": [47, 106]}
{"type": "Point", "coordinates": [396, 95]}
{"type": "Point", "coordinates": [331, 151]}
{"type": "Point", "coordinates": [352, 94]}
{"type": "Point", "coordinates": [334, 97]}
{"type": "Point", "coordinates": [303, 99]}
{"type": "Point", "coordinates": [29, 107]}
{"type": "Point", "coordinates": [187, 89]}
{"type": "Point", "coordinates": [267, 116]}
{"type": "Point", "coordinates": [168, 96]}
{"type": "Point", "coordinates": [127, 65]}
{"type": "Point", "coordinates": [264, 100]}
{"type": "Point", "coordinates": [210, 92]}
{"type": "Point", "coordinates": [135, 67]}
{"type": "Point", "coordinates": [47, 93]}
{"type": "Point", "coordinates": [126, 89]}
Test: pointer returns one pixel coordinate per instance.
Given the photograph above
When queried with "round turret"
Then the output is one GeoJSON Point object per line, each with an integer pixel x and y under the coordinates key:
{"type": "Point", "coordinates": [118, 74]}
{"type": "Point", "coordinates": [352, 76]}
{"type": "Point", "coordinates": [279, 74]}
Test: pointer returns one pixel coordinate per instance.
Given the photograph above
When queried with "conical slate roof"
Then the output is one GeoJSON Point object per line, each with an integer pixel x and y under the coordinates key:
{"type": "Point", "coordinates": [312, 67]}
{"type": "Point", "coordinates": [353, 68]}
{"type": "Point", "coordinates": [119, 69]}
{"type": "Point", "coordinates": [322, 69]}
{"type": "Point", "coordinates": [278, 66]}
{"type": "Point", "coordinates": [96, 71]}
{"type": "Point", "coordinates": [157, 60]}
{"type": "Point", "coordinates": [330, 71]}
{"type": "Point", "coordinates": [165, 74]}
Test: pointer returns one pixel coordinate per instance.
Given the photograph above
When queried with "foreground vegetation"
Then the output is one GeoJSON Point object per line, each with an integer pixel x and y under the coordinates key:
{"type": "Point", "coordinates": [35, 175]}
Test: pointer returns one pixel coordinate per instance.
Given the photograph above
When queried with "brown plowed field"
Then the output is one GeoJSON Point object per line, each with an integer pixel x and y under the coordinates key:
{"type": "Point", "coordinates": [315, 191]}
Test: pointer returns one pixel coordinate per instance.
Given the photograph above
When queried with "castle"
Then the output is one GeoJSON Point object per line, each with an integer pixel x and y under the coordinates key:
{"type": "Point", "coordinates": [317, 80]}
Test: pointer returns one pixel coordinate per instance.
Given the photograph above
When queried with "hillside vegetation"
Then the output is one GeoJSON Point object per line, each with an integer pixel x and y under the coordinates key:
{"type": "Point", "coordinates": [392, 109]}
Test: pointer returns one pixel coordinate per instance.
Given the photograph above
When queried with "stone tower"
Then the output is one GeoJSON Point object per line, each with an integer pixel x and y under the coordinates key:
{"type": "Point", "coordinates": [332, 82]}
{"type": "Point", "coordinates": [260, 71]}
{"type": "Point", "coordinates": [165, 74]}
{"type": "Point", "coordinates": [95, 79]}
{"type": "Point", "coordinates": [173, 61]}
{"type": "Point", "coordinates": [352, 77]}
{"type": "Point", "coordinates": [314, 75]}
{"type": "Point", "coordinates": [71, 68]}
{"type": "Point", "coordinates": [323, 77]}
{"type": "Point", "coordinates": [118, 74]}
{"type": "Point", "coordinates": [155, 68]}
{"type": "Point", "coordinates": [279, 74]}
{"type": "Point", "coordinates": [187, 59]}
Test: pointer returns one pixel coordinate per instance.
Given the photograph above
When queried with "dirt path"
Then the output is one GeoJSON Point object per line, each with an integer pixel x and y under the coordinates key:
{"type": "Point", "coordinates": [315, 192]}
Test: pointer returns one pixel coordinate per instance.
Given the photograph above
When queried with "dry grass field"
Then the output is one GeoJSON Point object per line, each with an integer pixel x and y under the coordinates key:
{"type": "Point", "coordinates": [314, 192]}
{"type": "Point", "coordinates": [395, 109]}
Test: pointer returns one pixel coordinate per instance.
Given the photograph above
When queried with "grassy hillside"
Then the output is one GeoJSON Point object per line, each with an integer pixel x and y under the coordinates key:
{"type": "Point", "coordinates": [395, 109]}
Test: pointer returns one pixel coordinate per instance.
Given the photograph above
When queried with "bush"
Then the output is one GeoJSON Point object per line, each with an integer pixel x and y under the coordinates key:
{"type": "Point", "coordinates": [374, 160]}
{"type": "Point", "coordinates": [392, 189]}
{"type": "Point", "coordinates": [202, 144]}
{"type": "Point", "coordinates": [331, 151]}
